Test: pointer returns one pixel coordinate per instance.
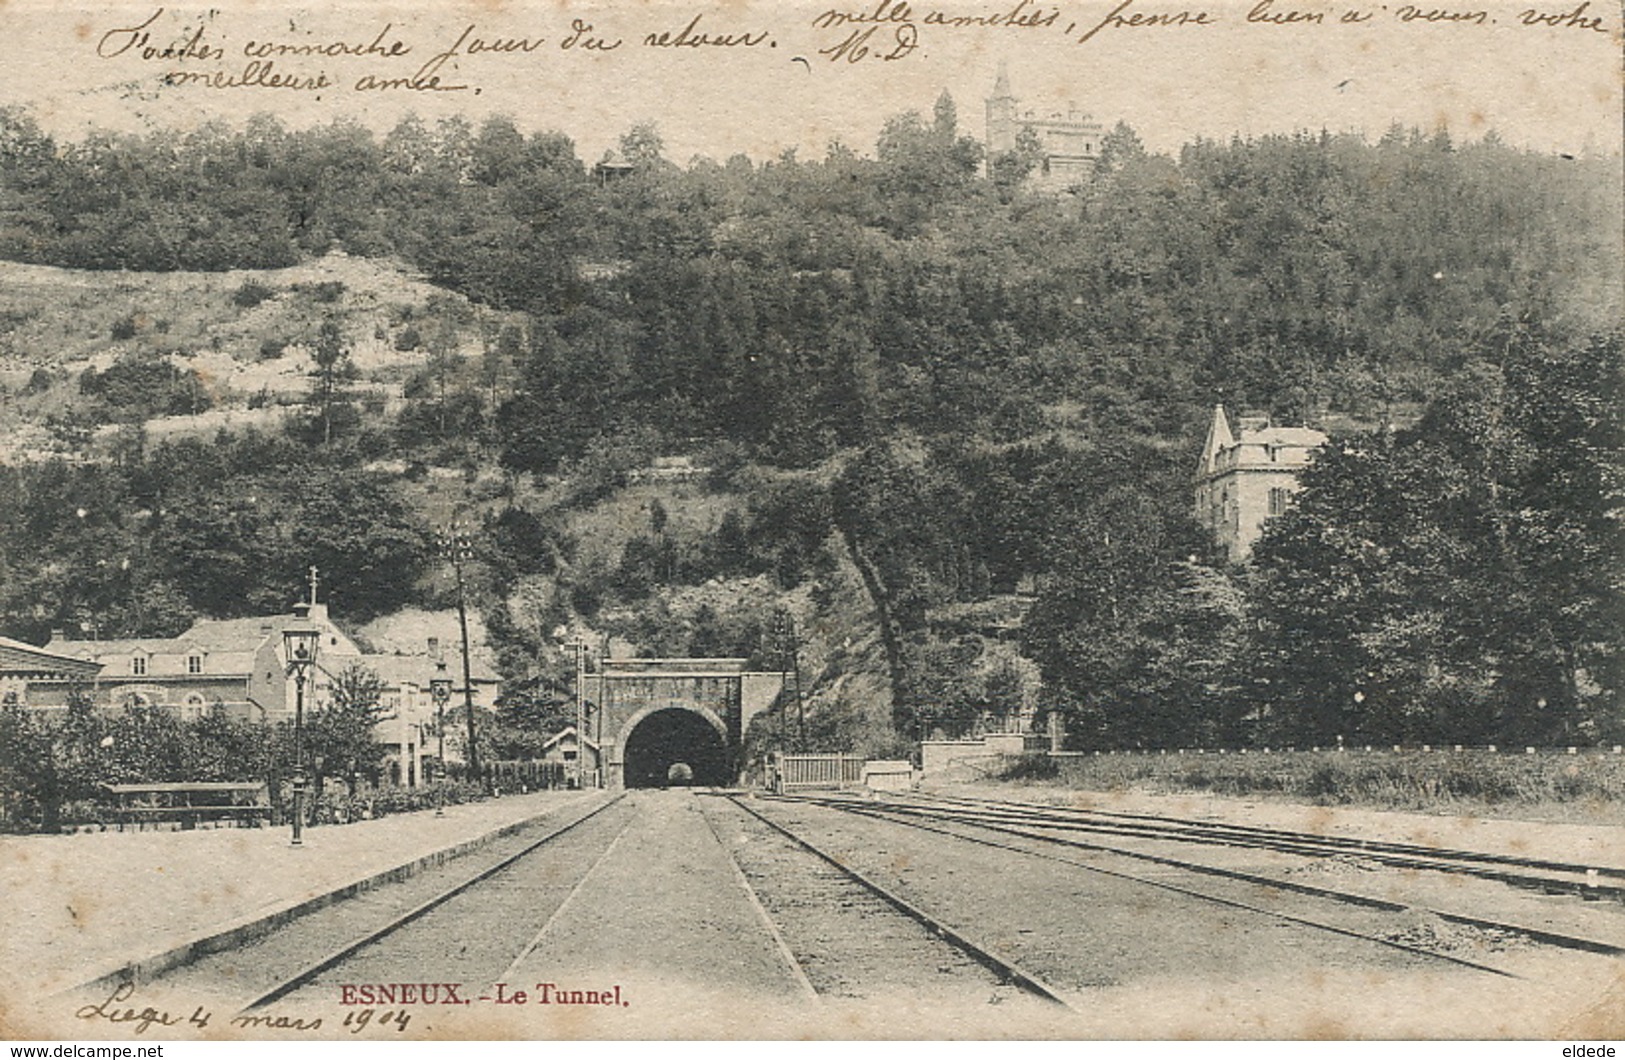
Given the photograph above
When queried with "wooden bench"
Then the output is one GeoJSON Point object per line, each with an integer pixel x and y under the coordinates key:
{"type": "Point", "coordinates": [187, 804]}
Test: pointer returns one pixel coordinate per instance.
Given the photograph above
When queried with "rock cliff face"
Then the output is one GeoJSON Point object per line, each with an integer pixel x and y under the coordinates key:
{"type": "Point", "coordinates": [246, 336]}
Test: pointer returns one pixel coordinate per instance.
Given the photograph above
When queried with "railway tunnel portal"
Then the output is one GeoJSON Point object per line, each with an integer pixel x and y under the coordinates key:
{"type": "Point", "coordinates": [661, 721]}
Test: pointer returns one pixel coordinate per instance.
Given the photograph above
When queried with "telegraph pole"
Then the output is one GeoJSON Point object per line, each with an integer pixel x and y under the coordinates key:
{"type": "Point", "coordinates": [790, 667]}
{"type": "Point", "coordinates": [457, 547]}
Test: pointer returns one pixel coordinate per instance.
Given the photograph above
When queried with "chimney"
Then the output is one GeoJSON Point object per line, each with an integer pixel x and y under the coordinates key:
{"type": "Point", "coordinates": [434, 648]}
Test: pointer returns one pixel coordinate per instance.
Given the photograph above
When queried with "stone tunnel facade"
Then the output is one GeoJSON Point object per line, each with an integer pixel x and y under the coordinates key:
{"type": "Point", "coordinates": [652, 715]}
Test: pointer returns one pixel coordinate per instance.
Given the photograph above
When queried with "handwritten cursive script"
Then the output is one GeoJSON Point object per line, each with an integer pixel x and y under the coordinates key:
{"type": "Point", "coordinates": [114, 1010]}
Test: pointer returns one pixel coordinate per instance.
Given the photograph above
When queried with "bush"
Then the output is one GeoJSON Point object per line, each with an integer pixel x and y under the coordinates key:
{"type": "Point", "coordinates": [124, 329]}
{"type": "Point", "coordinates": [1029, 767]}
{"type": "Point", "coordinates": [340, 807]}
{"type": "Point", "coordinates": [1407, 780]}
{"type": "Point", "coordinates": [327, 291]}
{"type": "Point", "coordinates": [251, 294]}
{"type": "Point", "coordinates": [271, 349]}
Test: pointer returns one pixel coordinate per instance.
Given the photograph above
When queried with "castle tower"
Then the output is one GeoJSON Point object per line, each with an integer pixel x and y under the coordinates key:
{"type": "Point", "coordinates": [1001, 115]}
{"type": "Point", "coordinates": [1067, 142]}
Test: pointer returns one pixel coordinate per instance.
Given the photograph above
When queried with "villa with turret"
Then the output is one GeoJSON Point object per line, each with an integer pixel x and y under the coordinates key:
{"type": "Point", "coordinates": [1248, 477]}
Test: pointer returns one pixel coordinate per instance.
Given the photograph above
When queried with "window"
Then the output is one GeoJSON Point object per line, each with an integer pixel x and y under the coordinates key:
{"type": "Point", "coordinates": [138, 666]}
{"type": "Point", "coordinates": [1278, 500]}
{"type": "Point", "coordinates": [194, 664]}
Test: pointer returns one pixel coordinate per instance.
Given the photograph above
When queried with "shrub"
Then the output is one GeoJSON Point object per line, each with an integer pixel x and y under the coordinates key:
{"type": "Point", "coordinates": [1029, 767]}
{"type": "Point", "coordinates": [124, 329]}
{"type": "Point", "coordinates": [340, 807]}
{"type": "Point", "coordinates": [326, 291]}
{"type": "Point", "coordinates": [1393, 780]}
{"type": "Point", "coordinates": [251, 294]}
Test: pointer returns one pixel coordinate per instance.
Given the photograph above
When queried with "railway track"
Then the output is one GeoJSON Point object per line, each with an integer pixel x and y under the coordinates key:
{"type": "Point", "coordinates": [1035, 835]}
{"type": "Point", "coordinates": [1589, 882]}
{"type": "Point", "coordinates": [503, 887]}
{"type": "Point", "coordinates": [879, 943]}
{"type": "Point", "coordinates": [935, 901]}
{"type": "Point", "coordinates": [525, 916]}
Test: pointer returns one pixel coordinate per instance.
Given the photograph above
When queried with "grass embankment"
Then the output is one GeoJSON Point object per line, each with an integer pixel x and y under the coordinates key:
{"type": "Point", "coordinates": [1543, 786]}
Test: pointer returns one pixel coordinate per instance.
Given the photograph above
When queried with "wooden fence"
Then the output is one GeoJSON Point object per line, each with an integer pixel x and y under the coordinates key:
{"type": "Point", "coordinates": [805, 772]}
{"type": "Point", "coordinates": [526, 775]}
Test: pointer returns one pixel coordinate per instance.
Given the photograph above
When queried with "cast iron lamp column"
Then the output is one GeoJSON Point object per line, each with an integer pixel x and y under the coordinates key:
{"type": "Point", "coordinates": [440, 692]}
{"type": "Point", "coordinates": [300, 640]}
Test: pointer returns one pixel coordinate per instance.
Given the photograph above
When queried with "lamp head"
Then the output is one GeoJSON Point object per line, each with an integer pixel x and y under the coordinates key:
{"type": "Point", "coordinates": [301, 639]}
{"type": "Point", "coordinates": [440, 684]}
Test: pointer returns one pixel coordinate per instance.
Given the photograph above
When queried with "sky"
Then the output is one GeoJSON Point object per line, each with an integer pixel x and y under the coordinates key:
{"type": "Point", "coordinates": [1173, 71]}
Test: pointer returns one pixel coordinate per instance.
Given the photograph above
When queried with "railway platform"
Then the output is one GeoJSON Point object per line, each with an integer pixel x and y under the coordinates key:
{"type": "Point", "coordinates": [90, 904]}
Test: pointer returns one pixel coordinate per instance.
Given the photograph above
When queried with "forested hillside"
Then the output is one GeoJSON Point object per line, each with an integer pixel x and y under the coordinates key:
{"type": "Point", "coordinates": [908, 386]}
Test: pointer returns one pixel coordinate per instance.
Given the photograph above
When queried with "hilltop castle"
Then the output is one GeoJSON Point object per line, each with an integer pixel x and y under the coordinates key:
{"type": "Point", "coordinates": [1069, 143]}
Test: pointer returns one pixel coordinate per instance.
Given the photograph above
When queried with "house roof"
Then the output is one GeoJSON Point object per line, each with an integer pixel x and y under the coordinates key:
{"type": "Point", "coordinates": [1306, 437]}
{"type": "Point", "coordinates": [235, 639]}
{"type": "Point", "coordinates": [396, 670]}
{"type": "Point", "coordinates": [100, 649]}
{"type": "Point", "coordinates": [568, 730]}
{"type": "Point", "coordinates": [225, 634]}
{"type": "Point", "coordinates": [18, 657]}
{"type": "Point", "coordinates": [1220, 440]}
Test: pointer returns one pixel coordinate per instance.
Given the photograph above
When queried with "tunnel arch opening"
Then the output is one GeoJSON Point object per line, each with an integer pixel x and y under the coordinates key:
{"type": "Point", "coordinates": [666, 739]}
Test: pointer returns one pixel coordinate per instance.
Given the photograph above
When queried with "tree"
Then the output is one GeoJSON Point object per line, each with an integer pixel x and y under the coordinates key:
{"type": "Point", "coordinates": [332, 371]}
{"type": "Point", "coordinates": [1010, 169]}
{"type": "Point", "coordinates": [339, 735]}
{"type": "Point", "coordinates": [1459, 581]}
{"type": "Point", "coordinates": [642, 146]}
{"type": "Point", "coordinates": [48, 761]}
{"type": "Point", "coordinates": [1118, 148]}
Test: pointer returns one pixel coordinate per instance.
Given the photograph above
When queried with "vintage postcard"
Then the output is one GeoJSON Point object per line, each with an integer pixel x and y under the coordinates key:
{"type": "Point", "coordinates": [889, 519]}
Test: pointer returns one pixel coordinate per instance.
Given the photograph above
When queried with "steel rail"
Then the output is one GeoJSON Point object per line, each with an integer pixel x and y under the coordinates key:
{"type": "Point", "coordinates": [1155, 826]}
{"type": "Point", "coordinates": [1541, 935]}
{"type": "Point", "coordinates": [996, 962]}
{"type": "Point", "coordinates": [882, 815]}
{"type": "Point", "coordinates": [797, 972]}
{"type": "Point", "coordinates": [311, 971]}
{"type": "Point", "coordinates": [558, 911]}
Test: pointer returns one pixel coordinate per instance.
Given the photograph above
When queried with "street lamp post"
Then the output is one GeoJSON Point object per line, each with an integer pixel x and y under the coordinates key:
{"type": "Point", "coordinates": [300, 641]}
{"type": "Point", "coordinates": [440, 692]}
